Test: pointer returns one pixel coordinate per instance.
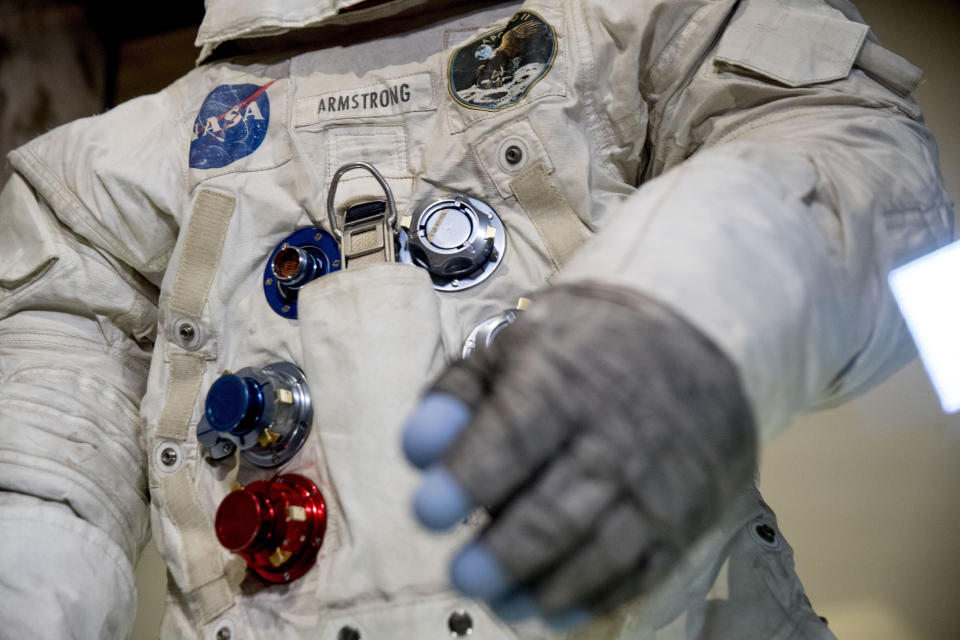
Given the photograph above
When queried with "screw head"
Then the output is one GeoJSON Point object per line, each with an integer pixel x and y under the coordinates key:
{"type": "Point", "coordinates": [513, 154]}
{"type": "Point", "coordinates": [223, 633]}
{"type": "Point", "coordinates": [168, 456]}
{"type": "Point", "coordinates": [187, 332]}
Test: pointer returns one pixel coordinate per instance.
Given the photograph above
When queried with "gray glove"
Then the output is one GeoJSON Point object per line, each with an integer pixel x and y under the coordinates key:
{"type": "Point", "coordinates": [603, 433]}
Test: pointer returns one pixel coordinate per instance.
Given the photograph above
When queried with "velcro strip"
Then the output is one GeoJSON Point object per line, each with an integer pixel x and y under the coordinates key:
{"type": "Point", "coordinates": [560, 228]}
{"type": "Point", "coordinates": [202, 249]}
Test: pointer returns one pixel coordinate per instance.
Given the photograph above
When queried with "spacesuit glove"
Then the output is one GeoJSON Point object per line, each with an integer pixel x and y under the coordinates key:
{"type": "Point", "coordinates": [603, 433]}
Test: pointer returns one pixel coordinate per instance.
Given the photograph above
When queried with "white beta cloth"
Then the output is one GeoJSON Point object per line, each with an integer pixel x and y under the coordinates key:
{"type": "Point", "coordinates": [784, 171]}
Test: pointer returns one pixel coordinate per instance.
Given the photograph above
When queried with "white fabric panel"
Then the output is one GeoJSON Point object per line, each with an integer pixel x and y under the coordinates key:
{"type": "Point", "coordinates": [72, 577]}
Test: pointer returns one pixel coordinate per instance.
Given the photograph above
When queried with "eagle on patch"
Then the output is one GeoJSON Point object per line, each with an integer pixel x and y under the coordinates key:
{"type": "Point", "coordinates": [497, 63]}
{"type": "Point", "coordinates": [499, 68]}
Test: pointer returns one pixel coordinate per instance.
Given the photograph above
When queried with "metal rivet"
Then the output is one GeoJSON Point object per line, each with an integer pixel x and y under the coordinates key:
{"type": "Point", "coordinates": [223, 633]}
{"type": "Point", "coordinates": [454, 283]}
{"type": "Point", "coordinates": [269, 281]}
{"type": "Point", "coordinates": [766, 533]}
{"type": "Point", "coordinates": [513, 154]}
{"type": "Point", "coordinates": [460, 624]}
{"type": "Point", "coordinates": [169, 456]}
{"type": "Point", "coordinates": [348, 633]}
{"type": "Point", "coordinates": [286, 308]}
{"type": "Point", "coordinates": [187, 332]}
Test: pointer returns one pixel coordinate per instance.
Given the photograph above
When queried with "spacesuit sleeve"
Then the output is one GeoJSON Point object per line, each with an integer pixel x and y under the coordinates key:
{"type": "Point", "coordinates": [775, 212]}
{"type": "Point", "coordinates": [86, 226]}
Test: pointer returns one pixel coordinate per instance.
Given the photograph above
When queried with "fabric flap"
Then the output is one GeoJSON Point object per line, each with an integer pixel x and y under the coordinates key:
{"type": "Point", "coordinates": [797, 45]}
{"type": "Point", "coordinates": [28, 249]}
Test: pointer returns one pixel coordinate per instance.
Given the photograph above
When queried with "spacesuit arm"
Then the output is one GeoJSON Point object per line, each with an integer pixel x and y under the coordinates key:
{"type": "Point", "coordinates": [80, 254]}
{"type": "Point", "coordinates": [787, 171]}
{"type": "Point", "coordinates": [776, 245]}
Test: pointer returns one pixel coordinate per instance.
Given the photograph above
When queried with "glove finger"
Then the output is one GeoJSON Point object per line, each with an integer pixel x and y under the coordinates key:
{"type": "Point", "coordinates": [621, 545]}
{"type": "Point", "coordinates": [557, 512]}
{"type": "Point", "coordinates": [476, 572]}
{"type": "Point", "coordinates": [643, 578]}
{"type": "Point", "coordinates": [432, 428]}
{"type": "Point", "coordinates": [515, 606]}
{"type": "Point", "coordinates": [518, 426]}
{"type": "Point", "coordinates": [440, 502]}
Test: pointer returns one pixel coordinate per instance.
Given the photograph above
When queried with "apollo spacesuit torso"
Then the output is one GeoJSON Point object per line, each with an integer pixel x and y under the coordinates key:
{"type": "Point", "coordinates": [155, 223]}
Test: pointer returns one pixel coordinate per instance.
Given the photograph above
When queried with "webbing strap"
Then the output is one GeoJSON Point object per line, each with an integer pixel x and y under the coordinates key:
{"type": "Point", "coordinates": [366, 242]}
{"type": "Point", "coordinates": [202, 248]}
{"type": "Point", "coordinates": [202, 565]}
{"type": "Point", "coordinates": [183, 388]}
{"type": "Point", "coordinates": [201, 574]}
{"type": "Point", "coordinates": [559, 227]}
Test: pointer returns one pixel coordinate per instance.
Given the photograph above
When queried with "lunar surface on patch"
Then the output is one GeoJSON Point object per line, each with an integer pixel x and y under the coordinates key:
{"type": "Point", "coordinates": [508, 93]}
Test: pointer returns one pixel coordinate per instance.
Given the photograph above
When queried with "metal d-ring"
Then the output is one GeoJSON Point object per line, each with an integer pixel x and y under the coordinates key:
{"type": "Point", "coordinates": [331, 196]}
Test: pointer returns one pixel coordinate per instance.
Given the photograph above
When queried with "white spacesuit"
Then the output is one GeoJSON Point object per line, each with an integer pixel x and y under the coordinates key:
{"type": "Point", "coordinates": [785, 170]}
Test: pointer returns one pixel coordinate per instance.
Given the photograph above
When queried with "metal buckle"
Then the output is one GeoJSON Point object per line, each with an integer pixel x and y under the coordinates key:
{"type": "Point", "coordinates": [367, 239]}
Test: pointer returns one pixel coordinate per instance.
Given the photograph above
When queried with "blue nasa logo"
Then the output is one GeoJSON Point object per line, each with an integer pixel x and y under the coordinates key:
{"type": "Point", "coordinates": [231, 124]}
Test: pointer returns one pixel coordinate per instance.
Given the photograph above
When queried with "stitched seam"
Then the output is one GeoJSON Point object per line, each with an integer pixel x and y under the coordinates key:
{"type": "Point", "coordinates": [130, 363]}
{"type": "Point", "coordinates": [80, 378]}
{"type": "Point", "coordinates": [600, 123]}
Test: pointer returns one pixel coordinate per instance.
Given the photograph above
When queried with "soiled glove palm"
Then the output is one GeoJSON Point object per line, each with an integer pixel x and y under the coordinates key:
{"type": "Point", "coordinates": [603, 433]}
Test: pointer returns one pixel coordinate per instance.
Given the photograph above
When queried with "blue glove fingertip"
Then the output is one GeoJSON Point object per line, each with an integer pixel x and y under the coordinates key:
{"type": "Point", "coordinates": [432, 428]}
{"type": "Point", "coordinates": [516, 606]}
{"type": "Point", "coordinates": [440, 502]}
{"type": "Point", "coordinates": [569, 620]}
{"type": "Point", "coordinates": [476, 573]}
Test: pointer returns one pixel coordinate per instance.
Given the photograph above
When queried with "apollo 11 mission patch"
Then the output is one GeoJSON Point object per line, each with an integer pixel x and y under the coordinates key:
{"type": "Point", "coordinates": [499, 68]}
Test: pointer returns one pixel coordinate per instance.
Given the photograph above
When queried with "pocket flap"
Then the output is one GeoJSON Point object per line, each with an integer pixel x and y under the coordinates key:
{"type": "Point", "coordinates": [805, 43]}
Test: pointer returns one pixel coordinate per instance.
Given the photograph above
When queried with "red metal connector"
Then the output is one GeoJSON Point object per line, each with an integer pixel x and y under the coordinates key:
{"type": "Point", "coordinates": [276, 526]}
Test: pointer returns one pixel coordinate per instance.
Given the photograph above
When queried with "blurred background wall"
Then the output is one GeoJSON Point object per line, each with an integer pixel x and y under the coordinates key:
{"type": "Point", "coordinates": [868, 494]}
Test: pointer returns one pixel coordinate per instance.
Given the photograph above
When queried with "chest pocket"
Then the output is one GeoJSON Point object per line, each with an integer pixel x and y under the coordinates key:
{"type": "Point", "coordinates": [805, 43]}
{"type": "Point", "coordinates": [797, 45]}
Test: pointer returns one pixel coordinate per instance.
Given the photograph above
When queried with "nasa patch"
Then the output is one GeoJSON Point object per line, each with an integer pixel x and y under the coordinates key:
{"type": "Point", "coordinates": [231, 124]}
{"type": "Point", "coordinates": [498, 69]}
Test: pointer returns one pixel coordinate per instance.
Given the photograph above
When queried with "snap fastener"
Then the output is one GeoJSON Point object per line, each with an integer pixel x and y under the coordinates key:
{"type": "Point", "coordinates": [187, 334]}
{"type": "Point", "coordinates": [223, 630]}
{"type": "Point", "coordinates": [513, 154]}
{"type": "Point", "coordinates": [348, 633]}
{"type": "Point", "coordinates": [460, 624]}
{"type": "Point", "coordinates": [168, 456]}
{"type": "Point", "coordinates": [764, 534]}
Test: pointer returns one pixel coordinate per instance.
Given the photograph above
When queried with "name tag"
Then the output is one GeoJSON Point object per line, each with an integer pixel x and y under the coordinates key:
{"type": "Point", "coordinates": [386, 98]}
